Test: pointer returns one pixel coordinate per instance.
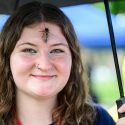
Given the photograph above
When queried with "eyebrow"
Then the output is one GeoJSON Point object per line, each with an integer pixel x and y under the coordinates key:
{"type": "Point", "coordinates": [60, 44]}
{"type": "Point", "coordinates": [55, 44]}
{"type": "Point", "coordinates": [27, 43]}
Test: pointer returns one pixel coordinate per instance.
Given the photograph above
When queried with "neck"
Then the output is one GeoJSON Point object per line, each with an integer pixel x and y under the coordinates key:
{"type": "Point", "coordinates": [35, 111]}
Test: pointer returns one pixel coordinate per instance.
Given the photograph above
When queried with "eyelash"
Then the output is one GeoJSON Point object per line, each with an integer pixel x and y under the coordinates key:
{"type": "Point", "coordinates": [57, 51]}
{"type": "Point", "coordinates": [29, 50]}
{"type": "Point", "coordinates": [32, 51]}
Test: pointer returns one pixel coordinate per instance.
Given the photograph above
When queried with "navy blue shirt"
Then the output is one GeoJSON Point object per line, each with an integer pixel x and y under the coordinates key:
{"type": "Point", "coordinates": [102, 118]}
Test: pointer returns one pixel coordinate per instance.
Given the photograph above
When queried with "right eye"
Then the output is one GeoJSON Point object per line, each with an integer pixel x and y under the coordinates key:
{"type": "Point", "coordinates": [29, 50]}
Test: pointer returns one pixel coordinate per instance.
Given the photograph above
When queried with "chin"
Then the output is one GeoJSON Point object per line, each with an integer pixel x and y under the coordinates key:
{"type": "Point", "coordinates": [44, 93]}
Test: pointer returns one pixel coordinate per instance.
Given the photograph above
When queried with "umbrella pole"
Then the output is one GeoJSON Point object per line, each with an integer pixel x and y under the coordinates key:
{"type": "Point", "coordinates": [120, 101]}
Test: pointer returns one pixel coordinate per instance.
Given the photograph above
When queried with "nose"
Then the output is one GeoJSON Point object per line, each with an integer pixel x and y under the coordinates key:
{"type": "Point", "coordinates": [44, 62]}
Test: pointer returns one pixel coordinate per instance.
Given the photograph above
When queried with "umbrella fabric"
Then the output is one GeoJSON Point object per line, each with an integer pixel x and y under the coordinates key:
{"type": "Point", "coordinates": [7, 6]}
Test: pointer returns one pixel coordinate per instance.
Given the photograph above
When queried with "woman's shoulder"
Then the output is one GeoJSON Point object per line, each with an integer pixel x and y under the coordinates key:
{"type": "Point", "coordinates": [103, 117]}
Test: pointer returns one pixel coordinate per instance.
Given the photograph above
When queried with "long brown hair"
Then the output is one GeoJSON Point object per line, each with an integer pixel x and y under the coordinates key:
{"type": "Point", "coordinates": [73, 106]}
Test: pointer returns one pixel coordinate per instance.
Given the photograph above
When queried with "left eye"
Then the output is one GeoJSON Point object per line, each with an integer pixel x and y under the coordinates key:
{"type": "Point", "coordinates": [56, 51]}
{"type": "Point", "coordinates": [29, 50]}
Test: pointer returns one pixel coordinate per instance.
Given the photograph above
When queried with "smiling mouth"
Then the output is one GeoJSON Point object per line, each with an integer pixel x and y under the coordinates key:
{"type": "Point", "coordinates": [44, 77]}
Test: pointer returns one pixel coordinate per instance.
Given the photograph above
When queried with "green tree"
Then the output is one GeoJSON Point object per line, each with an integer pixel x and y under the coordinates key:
{"type": "Point", "coordinates": [117, 7]}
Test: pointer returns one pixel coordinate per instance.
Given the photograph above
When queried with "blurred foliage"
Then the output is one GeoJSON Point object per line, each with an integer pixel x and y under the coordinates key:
{"type": "Point", "coordinates": [115, 7]}
{"type": "Point", "coordinates": [99, 5]}
{"type": "Point", "coordinates": [106, 92]}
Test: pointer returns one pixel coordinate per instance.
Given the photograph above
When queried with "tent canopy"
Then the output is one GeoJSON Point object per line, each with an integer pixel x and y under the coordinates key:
{"type": "Point", "coordinates": [91, 26]}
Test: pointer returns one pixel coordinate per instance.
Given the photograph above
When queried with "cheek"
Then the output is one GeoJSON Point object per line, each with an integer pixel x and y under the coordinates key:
{"type": "Point", "coordinates": [64, 65]}
{"type": "Point", "coordinates": [20, 64]}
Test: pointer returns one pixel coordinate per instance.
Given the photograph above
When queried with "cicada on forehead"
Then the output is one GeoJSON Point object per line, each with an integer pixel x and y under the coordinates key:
{"type": "Point", "coordinates": [45, 34]}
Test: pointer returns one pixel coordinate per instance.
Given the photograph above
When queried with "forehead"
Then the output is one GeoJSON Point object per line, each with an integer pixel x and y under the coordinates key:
{"type": "Point", "coordinates": [35, 32]}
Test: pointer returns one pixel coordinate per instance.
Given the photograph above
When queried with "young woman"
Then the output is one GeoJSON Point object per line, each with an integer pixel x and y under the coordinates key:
{"type": "Point", "coordinates": [42, 79]}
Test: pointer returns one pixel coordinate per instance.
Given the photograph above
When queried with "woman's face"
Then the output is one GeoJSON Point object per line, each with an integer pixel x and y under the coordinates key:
{"type": "Point", "coordinates": [39, 68]}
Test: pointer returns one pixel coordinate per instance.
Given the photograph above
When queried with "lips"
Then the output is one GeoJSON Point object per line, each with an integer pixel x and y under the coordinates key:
{"type": "Point", "coordinates": [44, 77]}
